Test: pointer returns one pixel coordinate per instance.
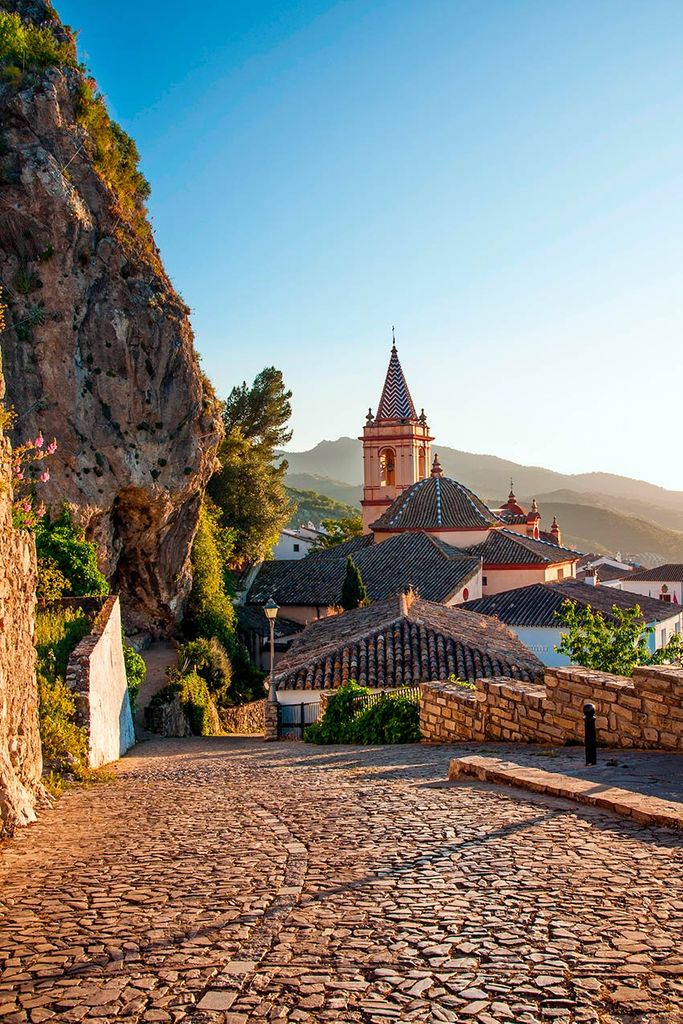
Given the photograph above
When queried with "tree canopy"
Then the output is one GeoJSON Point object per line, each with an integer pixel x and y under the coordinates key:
{"type": "Point", "coordinates": [617, 644]}
{"type": "Point", "coordinates": [249, 487]}
{"type": "Point", "coordinates": [354, 593]}
{"type": "Point", "coordinates": [340, 530]}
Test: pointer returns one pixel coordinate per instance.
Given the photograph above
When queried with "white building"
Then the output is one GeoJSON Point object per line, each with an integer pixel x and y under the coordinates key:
{"type": "Point", "coordinates": [664, 583]}
{"type": "Point", "coordinates": [531, 613]}
{"type": "Point", "coordinates": [296, 542]}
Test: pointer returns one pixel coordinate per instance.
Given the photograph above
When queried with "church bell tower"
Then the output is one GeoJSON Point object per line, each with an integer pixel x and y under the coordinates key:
{"type": "Point", "coordinates": [396, 445]}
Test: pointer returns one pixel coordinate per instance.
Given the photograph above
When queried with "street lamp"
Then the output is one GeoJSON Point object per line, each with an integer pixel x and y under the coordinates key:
{"type": "Point", "coordinates": [271, 609]}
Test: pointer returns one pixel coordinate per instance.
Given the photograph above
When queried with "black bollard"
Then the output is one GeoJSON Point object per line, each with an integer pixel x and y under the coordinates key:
{"type": "Point", "coordinates": [590, 737]}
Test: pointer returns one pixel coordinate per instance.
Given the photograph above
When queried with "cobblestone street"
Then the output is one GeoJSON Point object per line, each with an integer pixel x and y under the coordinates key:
{"type": "Point", "coordinates": [231, 881]}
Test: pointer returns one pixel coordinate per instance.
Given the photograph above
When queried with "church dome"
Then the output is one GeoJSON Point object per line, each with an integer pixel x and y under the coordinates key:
{"type": "Point", "coordinates": [437, 503]}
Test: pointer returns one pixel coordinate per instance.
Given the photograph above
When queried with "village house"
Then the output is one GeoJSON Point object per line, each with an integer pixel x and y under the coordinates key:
{"type": "Point", "coordinates": [296, 542]}
{"type": "Point", "coordinates": [532, 613]}
{"type": "Point", "coordinates": [422, 530]}
{"type": "Point", "coordinates": [400, 641]}
{"type": "Point", "coordinates": [664, 582]}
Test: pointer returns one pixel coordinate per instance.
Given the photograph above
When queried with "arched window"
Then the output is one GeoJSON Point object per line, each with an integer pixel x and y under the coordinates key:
{"type": "Point", "coordinates": [387, 467]}
{"type": "Point", "coordinates": [422, 464]}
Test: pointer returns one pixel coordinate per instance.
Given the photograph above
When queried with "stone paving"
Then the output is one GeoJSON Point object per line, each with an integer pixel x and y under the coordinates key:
{"type": "Point", "coordinates": [226, 880]}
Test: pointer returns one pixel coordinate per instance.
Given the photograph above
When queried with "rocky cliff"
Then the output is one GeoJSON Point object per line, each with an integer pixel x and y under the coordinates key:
{"type": "Point", "coordinates": [99, 349]}
{"type": "Point", "coordinates": [20, 758]}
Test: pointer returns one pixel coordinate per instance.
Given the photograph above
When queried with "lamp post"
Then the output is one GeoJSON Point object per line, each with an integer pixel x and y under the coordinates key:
{"type": "Point", "coordinates": [271, 609]}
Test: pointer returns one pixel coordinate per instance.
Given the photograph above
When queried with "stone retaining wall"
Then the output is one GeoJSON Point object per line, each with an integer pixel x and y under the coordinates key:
{"type": "Point", "coordinates": [645, 711]}
{"type": "Point", "coordinates": [21, 761]}
{"type": "Point", "coordinates": [247, 719]}
{"type": "Point", "coordinates": [97, 675]}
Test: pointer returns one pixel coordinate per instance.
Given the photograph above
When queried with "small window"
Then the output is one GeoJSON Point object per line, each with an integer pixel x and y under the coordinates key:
{"type": "Point", "coordinates": [465, 594]}
{"type": "Point", "coordinates": [560, 574]}
{"type": "Point", "coordinates": [484, 581]}
{"type": "Point", "coordinates": [387, 467]}
{"type": "Point", "coordinates": [663, 637]}
{"type": "Point", "coordinates": [296, 547]}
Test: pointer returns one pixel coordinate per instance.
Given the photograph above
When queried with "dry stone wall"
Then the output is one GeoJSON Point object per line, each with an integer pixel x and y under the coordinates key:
{"type": "Point", "coordinates": [20, 757]}
{"type": "Point", "coordinates": [97, 675]}
{"type": "Point", "coordinates": [248, 719]}
{"type": "Point", "coordinates": [645, 711]}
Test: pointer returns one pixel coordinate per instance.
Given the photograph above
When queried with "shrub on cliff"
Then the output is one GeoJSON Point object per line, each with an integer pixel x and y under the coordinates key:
{"type": "Point", "coordinates": [25, 46]}
{"type": "Point", "coordinates": [62, 545]}
{"type": "Point", "coordinates": [209, 659]}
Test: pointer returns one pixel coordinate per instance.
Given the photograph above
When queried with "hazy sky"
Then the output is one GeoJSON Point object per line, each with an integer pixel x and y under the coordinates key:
{"type": "Point", "coordinates": [501, 180]}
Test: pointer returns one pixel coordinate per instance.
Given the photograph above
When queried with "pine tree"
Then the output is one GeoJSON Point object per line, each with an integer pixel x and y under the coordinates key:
{"type": "Point", "coordinates": [354, 593]}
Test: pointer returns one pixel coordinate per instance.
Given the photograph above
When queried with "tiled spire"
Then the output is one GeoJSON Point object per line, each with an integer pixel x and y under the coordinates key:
{"type": "Point", "coordinates": [395, 403]}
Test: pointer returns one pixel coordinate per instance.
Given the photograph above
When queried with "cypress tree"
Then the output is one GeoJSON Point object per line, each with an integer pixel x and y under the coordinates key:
{"type": "Point", "coordinates": [354, 593]}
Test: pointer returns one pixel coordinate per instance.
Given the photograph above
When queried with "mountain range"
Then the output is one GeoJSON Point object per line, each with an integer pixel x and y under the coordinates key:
{"type": "Point", "coordinates": [596, 511]}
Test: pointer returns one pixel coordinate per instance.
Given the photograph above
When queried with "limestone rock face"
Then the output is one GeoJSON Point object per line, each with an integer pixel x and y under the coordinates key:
{"type": "Point", "coordinates": [100, 351]}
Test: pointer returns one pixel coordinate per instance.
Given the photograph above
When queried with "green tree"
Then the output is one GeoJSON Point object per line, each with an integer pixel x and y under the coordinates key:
{"type": "Point", "coordinates": [62, 547]}
{"type": "Point", "coordinates": [616, 644]}
{"type": "Point", "coordinates": [354, 593]}
{"type": "Point", "coordinates": [340, 530]}
{"type": "Point", "coordinates": [249, 487]}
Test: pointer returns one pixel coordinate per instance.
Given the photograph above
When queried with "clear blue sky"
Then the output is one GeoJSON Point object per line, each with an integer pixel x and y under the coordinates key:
{"type": "Point", "coordinates": [502, 180]}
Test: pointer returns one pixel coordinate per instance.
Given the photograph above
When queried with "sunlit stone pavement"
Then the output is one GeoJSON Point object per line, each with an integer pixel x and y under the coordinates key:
{"type": "Point", "coordinates": [230, 880]}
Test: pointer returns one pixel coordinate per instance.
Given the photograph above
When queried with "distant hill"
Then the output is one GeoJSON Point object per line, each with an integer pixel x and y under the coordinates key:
{"type": "Point", "coordinates": [313, 507]}
{"type": "Point", "coordinates": [596, 511]}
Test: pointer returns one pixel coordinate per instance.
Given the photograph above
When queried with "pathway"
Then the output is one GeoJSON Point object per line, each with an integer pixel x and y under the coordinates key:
{"type": "Point", "coordinates": [240, 882]}
{"type": "Point", "coordinates": [159, 657]}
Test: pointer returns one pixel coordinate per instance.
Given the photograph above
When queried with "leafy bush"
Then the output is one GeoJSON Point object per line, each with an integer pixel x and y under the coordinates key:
{"type": "Point", "coordinates": [62, 545]}
{"type": "Point", "coordinates": [390, 719]}
{"type": "Point", "coordinates": [210, 612]}
{"type": "Point", "coordinates": [209, 659]}
{"type": "Point", "coordinates": [52, 583]}
{"type": "Point", "coordinates": [195, 700]}
{"type": "Point", "coordinates": [25, 46]}
{"type": "Point", "coordinates": [614, 645]}
{"type": "Point", "coordinates": [136, 670]}
{"type": "Point", "coordinates": [64, 743]}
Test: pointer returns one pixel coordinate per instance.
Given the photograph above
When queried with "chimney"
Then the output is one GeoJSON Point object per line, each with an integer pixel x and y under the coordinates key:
{"type": "Point", "coordinates": [592, 578]}
{"type": "Point", "coordinates": [555, 532]}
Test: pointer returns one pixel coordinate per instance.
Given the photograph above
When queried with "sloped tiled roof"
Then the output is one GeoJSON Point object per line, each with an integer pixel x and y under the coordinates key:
{"type": "Point", "coordinates": [436, 503]}
{"type": "Point", "coordinates": [434, 570]}
{"type": "Point", "coordinates": [604, 572]}
{"type": "Point", "coordinates": [505, 547]}
{"type": "Point", "coordinates": [252, 618]}
{"type": "Point", "coordinates": [395, 403]}
{"type": "Point", "coordinates": [398, 643]}
{"type": "Point", "coordinates": [538, 604]}
{"type": "Point", "coordinates": [672, 572]}
{"type": "Point", "coordinates": [349, 547]}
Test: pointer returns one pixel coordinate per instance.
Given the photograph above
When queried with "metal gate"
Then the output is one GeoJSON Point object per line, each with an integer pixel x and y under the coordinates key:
{"type": "Point", "coordinates": [293, 719]}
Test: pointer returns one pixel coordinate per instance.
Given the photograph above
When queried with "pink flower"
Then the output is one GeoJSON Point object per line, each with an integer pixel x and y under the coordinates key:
{"type": "Point", "coordinates": [52, 447]}
{"type": "Point", "coordinates": [44, 477]}
{"type": "Point", "coordinates": [18, 473]}
{"type": "Point", "coordinates": [39, 441]}
{"type": "Point", "coordinates": [41, 510]}
{"type": "Point", "coordinates": [26, 505]}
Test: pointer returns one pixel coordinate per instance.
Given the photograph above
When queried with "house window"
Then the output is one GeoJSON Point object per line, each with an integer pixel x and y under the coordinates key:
{"type": "Point", "coordinates": [387, 467]}
{"type": "Point", "coordinates": [484, 581]}
{"type": "Point", "coordinates": [465, 594]}
{"type": "Point", "coordinates": [663, 637]}
{"type": "Point", "coordinates": [665, 595]}
{"type": "Point", "coordinates": [296, 547]}
{"type": "Point", "coordinates": [560, 574]}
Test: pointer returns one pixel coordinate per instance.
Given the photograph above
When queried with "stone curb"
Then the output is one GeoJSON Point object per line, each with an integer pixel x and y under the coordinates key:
{"type": "Point", "coordinates": [647, 810]}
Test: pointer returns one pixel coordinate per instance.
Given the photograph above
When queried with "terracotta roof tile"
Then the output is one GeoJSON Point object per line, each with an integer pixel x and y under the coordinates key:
{"type": "Point", "coordinates": [505, 547]}
{"type": "Point", "coordinates": [435, 570]}
{"type": "Point", "coordinates": [398, 643]}
{"type": "Point", "coordinates": [436, 503]}
{"type": "Point", "coordinates": [538, 604]}
{"type": "Point", "coordinates": [672, 572]}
